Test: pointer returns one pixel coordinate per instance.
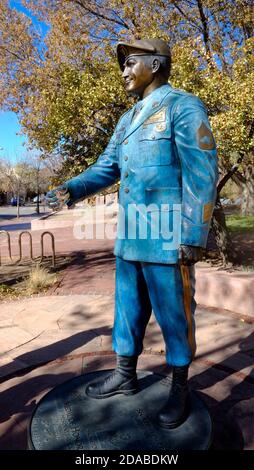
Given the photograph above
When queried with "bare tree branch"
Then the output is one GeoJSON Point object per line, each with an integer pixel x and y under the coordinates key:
{"type": "Point", "coordinates": [11, 52]}
{"type": "Point", "coordinates": [205, 29]}
{"type": "Point", "coordinates": [235, 167]}
{"type": "Point", "coordinates": [229, 175]}
{"type": "Point", "coordinates": [100, 15]}
{"type": "Point", "coordinates": [175, 3]}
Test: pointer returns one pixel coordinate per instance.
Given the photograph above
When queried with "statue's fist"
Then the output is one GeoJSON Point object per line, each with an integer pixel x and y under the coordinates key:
{"type": "Point", "coordinates": [190, 254]}
{"type": "Point", "coordinates": [58, 197]}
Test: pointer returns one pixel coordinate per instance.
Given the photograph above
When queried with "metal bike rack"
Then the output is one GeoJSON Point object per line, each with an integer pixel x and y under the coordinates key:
{"type": "Point", "coordinates": [30, 246]}
{"type": "Point", "coordinates": [20, 245]}
{"type": "Point", "coordinates": [52, 245]}
{"type": "Point", "coordinates": [9, 243]}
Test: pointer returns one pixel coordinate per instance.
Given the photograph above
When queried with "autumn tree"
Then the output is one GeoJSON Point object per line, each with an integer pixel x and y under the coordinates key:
{"type": "Point", "coordinates": [14, 178]}
{"type": "Point", "coordinates": [28, 174]}
{"type": "Point", "coordinates": [40, 176]}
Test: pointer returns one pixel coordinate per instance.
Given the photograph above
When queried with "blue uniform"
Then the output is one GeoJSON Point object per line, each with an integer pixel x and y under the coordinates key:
{"type": "Point", "coordinates": [164, 153]}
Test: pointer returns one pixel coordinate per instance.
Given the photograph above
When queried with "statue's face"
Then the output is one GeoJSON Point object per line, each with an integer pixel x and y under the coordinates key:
{"type": "Point", "coordinates": [137, 74]}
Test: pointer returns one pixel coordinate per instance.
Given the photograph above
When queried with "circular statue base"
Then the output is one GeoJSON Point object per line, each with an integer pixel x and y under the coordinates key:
{"type": "Point", "coordinates": [67, 419]}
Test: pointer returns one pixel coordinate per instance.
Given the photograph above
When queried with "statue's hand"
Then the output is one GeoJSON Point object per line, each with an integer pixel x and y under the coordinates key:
{"type": "Point", "coordinates": [190, 254]}
{"type": "Point", "coordinates": [58, 197]}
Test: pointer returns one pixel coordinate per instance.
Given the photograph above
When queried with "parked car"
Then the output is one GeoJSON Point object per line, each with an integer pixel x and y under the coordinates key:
{"type": "Point", "coordinates": [41, 198]}
{"type": "Point", "coordinates": [14, 201]}
{"type": "Point", "coordinates": [226, 202]}
{"type": "Point", "coordinates": [238, 201]}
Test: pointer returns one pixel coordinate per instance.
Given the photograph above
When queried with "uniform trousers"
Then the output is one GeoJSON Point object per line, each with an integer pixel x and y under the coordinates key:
{"type": "Point", "coordinates": [168, 291]}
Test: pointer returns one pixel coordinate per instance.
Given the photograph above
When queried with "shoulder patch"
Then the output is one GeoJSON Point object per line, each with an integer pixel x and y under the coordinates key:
{"type": "Point", "coordinates": [205, 138]}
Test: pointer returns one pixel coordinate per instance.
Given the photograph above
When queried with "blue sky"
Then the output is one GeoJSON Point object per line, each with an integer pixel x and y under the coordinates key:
{"type": "Point", "coordinates": [11, 144]}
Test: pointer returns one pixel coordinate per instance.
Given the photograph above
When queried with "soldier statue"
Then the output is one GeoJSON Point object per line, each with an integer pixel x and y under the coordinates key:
{"type": "Point", "coordinates": [164, 154]}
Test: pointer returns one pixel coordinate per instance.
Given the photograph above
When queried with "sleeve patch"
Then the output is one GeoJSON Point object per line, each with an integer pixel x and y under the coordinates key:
{"type": "Point", "coordinates": [207, 211]}
{"type": "Point", "coordinates": [205, 138]}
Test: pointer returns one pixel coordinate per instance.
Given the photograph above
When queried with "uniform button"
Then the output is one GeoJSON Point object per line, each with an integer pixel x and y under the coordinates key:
{"type": "Point", "coordinates": [153, 137]}
{"type": "Point", "coordinates": [126, 190]}
{"type": "Point", "coordinates": [126, 158]}
{"type": "Point", "coordinates": [126, 174]}
{"type": "Point", "coordinates": [125, 141]}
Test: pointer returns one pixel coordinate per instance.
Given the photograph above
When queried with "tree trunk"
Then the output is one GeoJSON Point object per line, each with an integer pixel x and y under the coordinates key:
{"type": "Point", "coordinates": [38, 193]}
{"type": "Point", "coordinates": [247, 207]}
{"type": "Point", "coordinates": [221, 235]}
{"type": "Point", "coordinates": [18, 206]}
{"type": "Point", "coordinates": [38, 203]}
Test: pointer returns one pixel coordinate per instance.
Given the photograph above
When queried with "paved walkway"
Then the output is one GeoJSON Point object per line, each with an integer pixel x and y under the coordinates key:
{"type": "Point", "coordinates": [47, 340]}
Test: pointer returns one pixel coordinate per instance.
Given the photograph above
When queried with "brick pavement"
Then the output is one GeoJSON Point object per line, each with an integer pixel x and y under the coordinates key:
{"type": "Point", "coordinates": [47, 340]}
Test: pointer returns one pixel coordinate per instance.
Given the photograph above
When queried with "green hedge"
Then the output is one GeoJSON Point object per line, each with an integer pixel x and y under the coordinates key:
{"type": "Point", "coordinates": [240, 223]}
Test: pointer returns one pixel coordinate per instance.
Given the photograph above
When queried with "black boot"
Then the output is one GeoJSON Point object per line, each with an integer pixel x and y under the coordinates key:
{"type": "Point", "coordinates": [122, 380]}
{"type": "Point", "coordinates": [175, 410]}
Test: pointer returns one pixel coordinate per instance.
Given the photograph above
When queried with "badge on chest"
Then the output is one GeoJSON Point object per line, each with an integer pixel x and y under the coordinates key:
{"type": "Point", "coordinates": [158, 119]}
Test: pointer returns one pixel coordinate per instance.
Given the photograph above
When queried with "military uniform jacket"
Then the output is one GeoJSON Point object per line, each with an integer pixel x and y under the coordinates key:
{"type": "Point", "coordinates": [165, 157]}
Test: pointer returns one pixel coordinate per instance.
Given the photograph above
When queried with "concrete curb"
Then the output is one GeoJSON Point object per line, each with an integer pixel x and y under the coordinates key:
{"type": "Point", "coordinates": [225, 290]}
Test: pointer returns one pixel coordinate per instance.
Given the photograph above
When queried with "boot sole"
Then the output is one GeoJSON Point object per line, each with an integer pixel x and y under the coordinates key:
{"type": "Point", "coordinates": [174, 425]}
{"type": "Point", "coordinates": [111, 394]}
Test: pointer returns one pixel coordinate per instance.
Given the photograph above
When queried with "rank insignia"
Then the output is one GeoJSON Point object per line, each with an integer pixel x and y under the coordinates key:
{"type": "Point", "coordinates": [205, 138]}
{"type": "Point", "coordinates": [120, 132]}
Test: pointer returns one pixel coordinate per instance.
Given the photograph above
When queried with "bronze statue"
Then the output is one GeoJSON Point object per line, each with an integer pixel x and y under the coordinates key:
{"type": "Point", "coordinates": [164, 153]}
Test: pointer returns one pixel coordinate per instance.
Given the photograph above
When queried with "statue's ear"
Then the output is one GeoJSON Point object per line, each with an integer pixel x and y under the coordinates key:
{"type": "Point", "coordinates": [155, 65]}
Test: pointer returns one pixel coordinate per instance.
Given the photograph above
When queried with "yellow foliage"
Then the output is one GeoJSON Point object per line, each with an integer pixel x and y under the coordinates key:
{"type": "Point", "coordinates": [67, 88]}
